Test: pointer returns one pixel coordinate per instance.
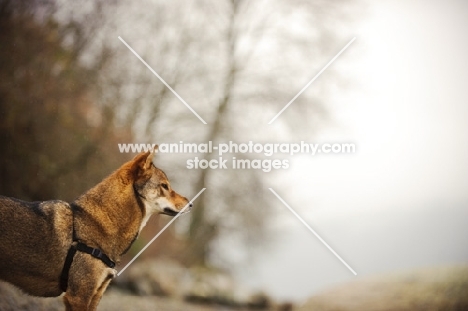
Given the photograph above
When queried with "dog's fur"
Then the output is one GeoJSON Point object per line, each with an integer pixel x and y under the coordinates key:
{"type": "Point", "coordinates": [36, 236]}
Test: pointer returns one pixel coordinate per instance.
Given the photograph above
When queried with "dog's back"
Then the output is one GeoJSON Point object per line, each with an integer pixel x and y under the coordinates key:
{"type": "Point", "coordinates": [33, 233]}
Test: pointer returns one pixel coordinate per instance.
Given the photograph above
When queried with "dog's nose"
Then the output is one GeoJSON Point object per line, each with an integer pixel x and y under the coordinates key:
{"type": "Point", "coordinates": [190, 204]}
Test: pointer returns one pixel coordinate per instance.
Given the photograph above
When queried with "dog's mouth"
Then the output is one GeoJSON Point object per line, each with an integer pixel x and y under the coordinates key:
{"type": "Point", "coordinates": [169, 211]}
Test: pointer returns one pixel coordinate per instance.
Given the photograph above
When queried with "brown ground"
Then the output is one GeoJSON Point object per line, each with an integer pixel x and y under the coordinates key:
{"type": "Point", "coordinates": [12, 299]}
{"type": "Point", "coordinates": [442, 289]}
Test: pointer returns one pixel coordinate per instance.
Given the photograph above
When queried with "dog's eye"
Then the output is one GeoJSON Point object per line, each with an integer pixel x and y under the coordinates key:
{"type": "Point", "coordinates": [165, 186]}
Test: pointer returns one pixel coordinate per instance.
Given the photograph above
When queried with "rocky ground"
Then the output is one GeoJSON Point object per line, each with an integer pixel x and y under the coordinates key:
{"type": "Point", "coordinates": [442, 289]}
{"type": "Point", "coordinates": [13, 300]}
{"type": "Point", "coordinates": [158, 285]}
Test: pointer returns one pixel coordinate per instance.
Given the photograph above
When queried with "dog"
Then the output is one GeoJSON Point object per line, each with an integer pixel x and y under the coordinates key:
{"type": "Point", "coordinates": [51, 247]}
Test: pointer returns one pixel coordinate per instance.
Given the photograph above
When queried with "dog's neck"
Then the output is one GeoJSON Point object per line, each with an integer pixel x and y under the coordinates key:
{"type": "Point", "coordinates": [110, 215]}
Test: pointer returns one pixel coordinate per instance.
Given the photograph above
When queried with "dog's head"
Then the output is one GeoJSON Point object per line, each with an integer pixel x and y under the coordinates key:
{"type": "Point", "coordinates": [154, 189]}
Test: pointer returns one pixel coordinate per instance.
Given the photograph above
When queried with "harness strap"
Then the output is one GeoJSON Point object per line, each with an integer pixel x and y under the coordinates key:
{"type": "Point", "coordinates": [95, 252]}
{"type": "Point", "coordinates": [66, 268]}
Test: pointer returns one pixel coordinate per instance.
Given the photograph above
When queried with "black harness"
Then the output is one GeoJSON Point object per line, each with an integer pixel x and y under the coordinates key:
{"type": "Point", "coordinates": [78, 246]}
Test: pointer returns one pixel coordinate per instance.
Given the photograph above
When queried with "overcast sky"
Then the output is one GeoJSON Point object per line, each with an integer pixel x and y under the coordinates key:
{"type": "Point", "coordinates": [400, 202]}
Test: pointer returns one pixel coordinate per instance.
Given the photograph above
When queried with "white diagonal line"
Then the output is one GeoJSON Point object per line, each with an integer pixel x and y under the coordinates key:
{"type": "Point", "coordinates": [162, 80]}
{"type": "Point", "coordinates": [159, 233]}
{"type": "Point", "coordinates": [313, 79]}
{"type": "Point", "coordinates": [312, 230]}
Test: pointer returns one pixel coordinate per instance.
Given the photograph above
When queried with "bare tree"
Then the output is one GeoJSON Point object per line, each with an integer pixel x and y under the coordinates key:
{"type": "Point", "coordinates": [237, 63]}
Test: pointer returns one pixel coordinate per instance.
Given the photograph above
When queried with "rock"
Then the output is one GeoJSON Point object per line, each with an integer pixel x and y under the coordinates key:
{"type": "Point", "coordinates": [156, 277]}
{"type": "Point", "coordinates": [259, 301]}
{"type": "Point", "coordinates": [285, 306]}
{"type": "Point", "coordinates": [13, 299]}
{"type": "Point", "coordinates": [210, 286]}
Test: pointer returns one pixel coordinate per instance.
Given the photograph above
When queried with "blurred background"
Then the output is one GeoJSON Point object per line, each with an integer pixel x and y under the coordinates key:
{"type": "Point", "coordinates": [70, 91]}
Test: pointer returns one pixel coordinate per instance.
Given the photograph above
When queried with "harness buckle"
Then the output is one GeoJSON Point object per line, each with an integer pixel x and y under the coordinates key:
{"type": "Point", "coordinates": [96, 253]}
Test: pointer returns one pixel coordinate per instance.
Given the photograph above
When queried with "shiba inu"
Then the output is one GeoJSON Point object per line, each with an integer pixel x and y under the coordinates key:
{"type": "Point", "coordinates": [51, 247]}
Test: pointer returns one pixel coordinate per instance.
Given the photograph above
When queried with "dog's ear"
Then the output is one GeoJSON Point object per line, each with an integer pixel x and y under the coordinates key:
{"type": "Point", "coordinates": [142, 162]}
{"type": "Point", "coordinates": [150, 157]}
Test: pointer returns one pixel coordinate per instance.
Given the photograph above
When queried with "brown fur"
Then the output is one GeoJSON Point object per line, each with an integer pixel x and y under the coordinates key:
{"type": "Point", "coordinates": [35, 236]}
